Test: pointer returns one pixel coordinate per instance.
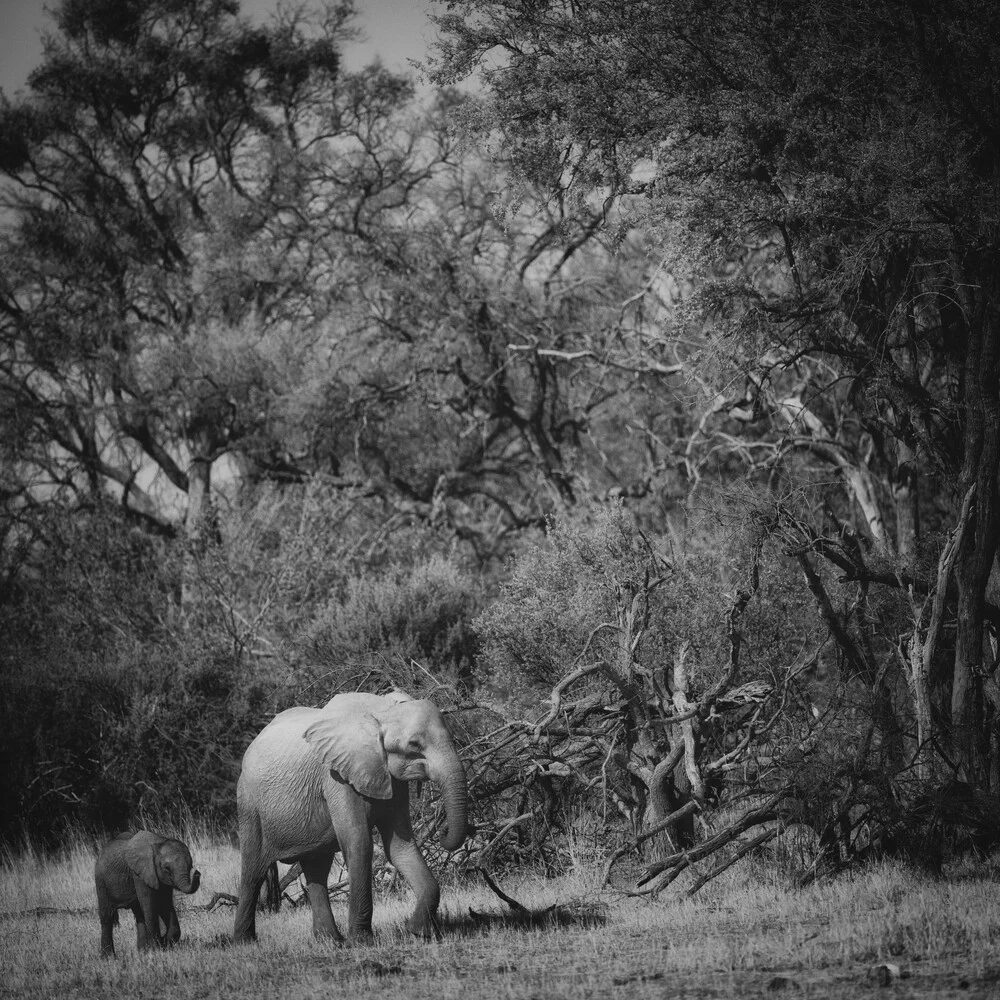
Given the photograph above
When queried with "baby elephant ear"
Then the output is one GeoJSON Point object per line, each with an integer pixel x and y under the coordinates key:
{"type": "Point", "coordinates": [350, 743]}
{"type": "Point", "coordinates": [140, 856]}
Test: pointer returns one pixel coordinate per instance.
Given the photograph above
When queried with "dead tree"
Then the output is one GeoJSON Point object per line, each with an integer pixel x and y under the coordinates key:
{"type": "Point", "coordinates": [638, 739]}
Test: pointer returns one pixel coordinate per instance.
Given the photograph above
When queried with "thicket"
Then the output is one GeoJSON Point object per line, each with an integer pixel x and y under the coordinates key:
{"type": "Point", "coordinates": [655, 439]}
{"type": "Point", "coordinates": [620, 698]}
{"type": "Point", "coordinates": [124, 698]}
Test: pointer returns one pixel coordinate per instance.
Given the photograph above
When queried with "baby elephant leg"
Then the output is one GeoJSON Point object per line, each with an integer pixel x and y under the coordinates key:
{"type": "Point", "coordinates": [107, 938]}
{"type": "Point", "coordinates": [172, 925]}
{"type": "Point", "coordinates": [147, 931]}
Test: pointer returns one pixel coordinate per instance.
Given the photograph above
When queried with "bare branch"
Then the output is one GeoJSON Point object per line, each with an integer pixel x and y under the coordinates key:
{"type": "Point", "coordinates": [557, 692]}
{"type": "Point", "coordinates": [665, 824]}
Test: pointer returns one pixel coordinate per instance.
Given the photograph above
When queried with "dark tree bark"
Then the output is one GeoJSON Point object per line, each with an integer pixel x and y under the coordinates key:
{"type": "Point", "coordinates": [980, 465]}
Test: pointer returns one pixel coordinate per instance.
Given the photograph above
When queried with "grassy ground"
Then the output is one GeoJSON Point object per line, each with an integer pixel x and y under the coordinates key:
{"type": "Point", "coordinates": [744, 935]}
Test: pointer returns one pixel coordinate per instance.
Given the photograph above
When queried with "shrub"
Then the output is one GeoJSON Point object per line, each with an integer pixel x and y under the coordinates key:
{"type": "Point", "coordinates": [113, 699]}
{"type": "Point", "coordinates": [406, 626]}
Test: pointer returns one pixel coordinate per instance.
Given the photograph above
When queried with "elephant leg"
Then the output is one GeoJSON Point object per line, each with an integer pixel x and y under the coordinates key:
{"type": "Point", "coordinates": [352, 822]}
{"type": "Point", "coordinates": [316, 869]}
{"type": "Point", "coordinates": [107, 937]}
{"type": "Point", "coordinates": [357, 852]}
{"type": "Point", "coordinates": [147, 931]}
{"type": "Point", "coordinates": [254, 863]}
{"type": "Point", "coordinates": [173, 925]}
{"type": "Point", "coordinates": [401, 849]}
{"type": "Point", "coordinates": [108, 914]}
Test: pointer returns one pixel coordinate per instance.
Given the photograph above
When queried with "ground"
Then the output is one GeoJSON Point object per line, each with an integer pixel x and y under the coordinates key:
{"type": "Point", "coordinates": [745, 935]}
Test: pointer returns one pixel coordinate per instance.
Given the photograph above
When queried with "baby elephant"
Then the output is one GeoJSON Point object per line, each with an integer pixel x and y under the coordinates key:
{"type": "Point", "coordinates": [140, 871]}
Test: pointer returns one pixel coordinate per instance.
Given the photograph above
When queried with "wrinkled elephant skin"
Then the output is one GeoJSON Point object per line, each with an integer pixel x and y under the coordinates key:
{"type": "Point", "coordinates": [318, 780]}
{"type": "Point", "coordinates": [141, 871]}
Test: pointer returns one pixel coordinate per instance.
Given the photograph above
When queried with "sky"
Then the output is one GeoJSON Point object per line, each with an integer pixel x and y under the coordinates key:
{"type": "Point", "coordinates": [396, 30]}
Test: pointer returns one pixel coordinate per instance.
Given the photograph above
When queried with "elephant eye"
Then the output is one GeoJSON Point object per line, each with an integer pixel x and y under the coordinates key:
{"type": "Point", "coordinates": [414, 746]}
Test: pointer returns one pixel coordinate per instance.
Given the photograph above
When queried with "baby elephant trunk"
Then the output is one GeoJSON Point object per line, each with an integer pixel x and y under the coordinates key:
{"type": "Point", "coordinates": [189, 884]}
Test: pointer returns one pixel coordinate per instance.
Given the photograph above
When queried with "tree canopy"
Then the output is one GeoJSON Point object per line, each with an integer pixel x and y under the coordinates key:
{"type": "Point", "coordinates": [640, 402]}
{"type": "Point", "coordinates": [827, 177]}
{"type": "Point", "coordinates": [185, 187]}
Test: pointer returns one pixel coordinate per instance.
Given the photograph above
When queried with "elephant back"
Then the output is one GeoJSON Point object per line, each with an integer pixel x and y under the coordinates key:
{"type": "Point", "coordinates": [360, 701]}
{"type": "Point", "coordinates": [280, 745]}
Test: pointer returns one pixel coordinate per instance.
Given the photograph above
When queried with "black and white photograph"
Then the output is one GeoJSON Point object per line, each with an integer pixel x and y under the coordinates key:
{"type": "Point", "coordinates": [499, 499]}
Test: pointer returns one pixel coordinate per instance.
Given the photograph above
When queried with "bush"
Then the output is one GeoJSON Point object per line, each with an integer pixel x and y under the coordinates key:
{"type": "Point", "coordinates": [408, 626]}
{"type": "Point", "coordinates": [567, 598]}
{"type": "Point", "coordinates": [644, 682]}
{"type": "Point", "coordinates": [114, 701]}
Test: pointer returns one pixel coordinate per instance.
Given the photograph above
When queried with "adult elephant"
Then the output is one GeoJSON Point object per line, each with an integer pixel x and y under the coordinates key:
{"type": "Point", "coordinates": [317, 780]}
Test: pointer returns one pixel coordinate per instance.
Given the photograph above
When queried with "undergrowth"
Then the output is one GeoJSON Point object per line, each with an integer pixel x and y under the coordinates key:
{"type": "Point", "coordinates": [732, 939]}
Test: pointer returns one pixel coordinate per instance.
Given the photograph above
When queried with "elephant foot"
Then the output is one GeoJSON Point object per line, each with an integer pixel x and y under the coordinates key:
{"type": "Point", "coordinates": [363, 936]}
{"type": "Point", "coordinates": [423, 927]}
{"type": "Point", "coordinates": [330, 935]}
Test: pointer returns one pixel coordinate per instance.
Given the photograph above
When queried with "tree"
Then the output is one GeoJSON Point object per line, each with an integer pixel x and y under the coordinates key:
{"type": "Point", "coordinates": [260, 261]}
{"type": "Point", "coordinates": [466, 415]}
{"type": "Point", "coordinates": [182, 192]}
{"type": "Point", "coordinates": [667, 694]}
{"type": "Point", "coordinates": [826, 176]}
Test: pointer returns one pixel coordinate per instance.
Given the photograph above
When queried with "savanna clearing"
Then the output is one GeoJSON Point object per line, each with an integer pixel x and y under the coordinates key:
{"type": "Point", "coordinates": [746, 934]}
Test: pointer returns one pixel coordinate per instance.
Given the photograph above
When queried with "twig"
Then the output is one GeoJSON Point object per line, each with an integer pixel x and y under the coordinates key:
{"type": "Point", "coordinates": [512, 903]}
{"type": "Point", "coordinates": [557, 692]}
{"type": "Point", "coordinates": [220, 898]}
{"type": "Point", "coordinates": [507, 827]}
{"type": "Point", "coordinates": [651, 890]}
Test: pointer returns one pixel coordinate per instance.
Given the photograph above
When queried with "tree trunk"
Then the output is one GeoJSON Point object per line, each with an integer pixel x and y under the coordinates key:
{"type": "Point", "coordinates": [905, 500]}
{"type": "Point", "coordinates": [980, 464]}
{"type": "Point", "coordinates": [198, 525]}
{"type": "Point", "coordinates": [668, 790]}
{"type": "Point", "coordinates": [918, 681]}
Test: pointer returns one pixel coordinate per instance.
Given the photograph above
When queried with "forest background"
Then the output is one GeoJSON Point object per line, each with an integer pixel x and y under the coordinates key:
{"type": "Point", "coordinates": [638, 404]}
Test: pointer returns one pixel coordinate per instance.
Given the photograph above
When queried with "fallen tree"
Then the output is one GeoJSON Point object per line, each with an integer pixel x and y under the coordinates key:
{"type": "Point", "coordinates": [691, 767]}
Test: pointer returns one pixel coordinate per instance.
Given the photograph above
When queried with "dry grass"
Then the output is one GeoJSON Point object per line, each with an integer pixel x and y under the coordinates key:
{"type": "Point", "coordinates": [730, 941]}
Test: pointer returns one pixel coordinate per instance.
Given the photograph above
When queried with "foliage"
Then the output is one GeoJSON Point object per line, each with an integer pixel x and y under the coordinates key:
{"type": "Point", "coordinates": [669, 696]}
{"type": "Point", "coordinates": [122, 701]}
{"type": "Point", "coordinates": [647, 420]}
{"type": "Point", "coordinates": [663, 693]}
{"type": "Point", "coordinates": [408, 627]}
{"type": "Point", "coordinates": [560, 603]}
{"type": "Point", "coordinates": [181, 232]}
{"type": "Point", "coordinates": [461, 413]}
{"type": "Point", "coordinates": [113, 704]}
{"type": "Point", "coordinates": [825, 178]}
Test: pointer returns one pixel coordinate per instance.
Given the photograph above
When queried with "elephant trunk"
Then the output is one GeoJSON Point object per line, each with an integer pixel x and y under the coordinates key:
{"type": "Point", "coordinates": [188, 884]}
{"type": "Point", "coordinates": [455, 793]}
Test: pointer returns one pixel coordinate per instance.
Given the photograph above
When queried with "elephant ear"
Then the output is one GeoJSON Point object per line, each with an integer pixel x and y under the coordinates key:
{"type": "Point", "coordinates": [351, 745]}
{"type": "Point", "coordinates": [140, 856]}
